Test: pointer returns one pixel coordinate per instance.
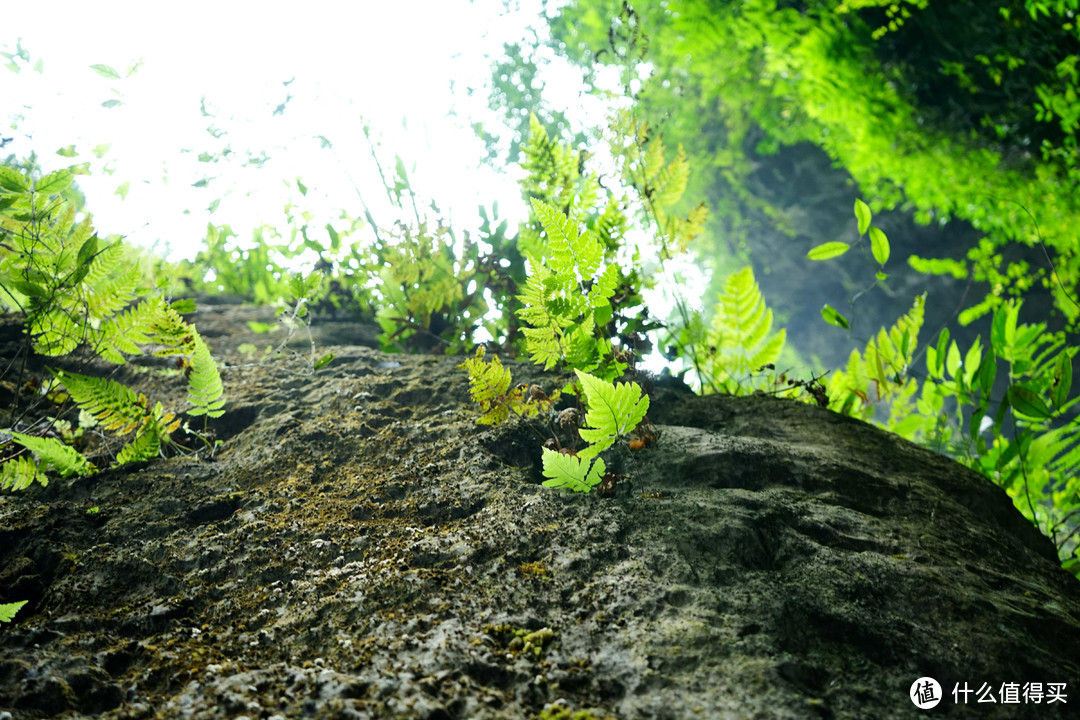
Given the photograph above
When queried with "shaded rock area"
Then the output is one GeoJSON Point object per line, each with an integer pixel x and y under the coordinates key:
{"type": "Point", "coordinates": [360, 548]}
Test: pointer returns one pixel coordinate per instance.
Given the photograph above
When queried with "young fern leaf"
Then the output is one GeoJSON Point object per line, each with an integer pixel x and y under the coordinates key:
{"type": "Point", "coordinates": [115, 406]}
{"type": "Point", "coordinates": [20, 473]}
{"type": "Point", "coordinates": [567, 296]}
{"type": "Point", "coordinates": [740, 331]}
{"type": "Point", "coordinates": [573, 473]}
{"type": "Point", "coordinates": [205, 391]}
{"type": "Point", "coordinates": [54, 454]}
{"type": "Point", "coordinates": [615, 409]}
{"type": "Point", "coordinates": [145, 445]}
{"type": "Point", "coordinates": [488, 383]}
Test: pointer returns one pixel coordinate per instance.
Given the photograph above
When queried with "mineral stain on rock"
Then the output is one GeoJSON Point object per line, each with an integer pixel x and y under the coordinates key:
{"type": "Point", "coordinates": [360, 548]}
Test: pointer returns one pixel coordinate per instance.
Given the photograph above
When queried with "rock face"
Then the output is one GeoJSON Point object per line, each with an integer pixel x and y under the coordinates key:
{"type": "Point", "coordinates": [359, 548]}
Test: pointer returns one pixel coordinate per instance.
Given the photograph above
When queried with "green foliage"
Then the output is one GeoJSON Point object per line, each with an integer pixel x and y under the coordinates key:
{"type": "Point", "coordinates": [614, 410]}
{"type": "Point", "coordinates": [80, 294]}
{"type": "Point", "coordinates": [8, 610]}
{"type": "Point", "coordinates": [739, 338]}
{"type": "Point", "coordinates": [54, 455]}
{"type": "Point", "coordinates": [489, 385]}
{"type": "Point", "coordinates": [878, 374]}
{"type": "Point", "coordinates": [567, 298]}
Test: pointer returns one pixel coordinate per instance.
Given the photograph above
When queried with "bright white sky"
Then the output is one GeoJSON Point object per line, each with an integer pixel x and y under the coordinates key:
{"type": "Point", "coordinates": [401, 67]}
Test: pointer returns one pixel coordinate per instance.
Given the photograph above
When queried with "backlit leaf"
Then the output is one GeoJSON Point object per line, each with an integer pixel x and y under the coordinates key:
{"type": "Point", "coordinates": [828, 250]}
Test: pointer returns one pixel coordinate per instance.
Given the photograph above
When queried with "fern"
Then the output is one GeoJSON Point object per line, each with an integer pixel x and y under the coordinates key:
{"type": "Point", "coordinates": [879, 374]}
{"type": "Point", "coordinates": [740, 332]}
{"type": "Point", "coordinates": [8, 610]}
{"type": "Point", "coordinates": [489, 385]}
{"type": "Point", "coordinates": [120, 409]}
{"type": "Point", "coordinates": [567, 297]}
{"type": "Point", "coordinates": [573, 473]}
{"type": "Point", "coordinates": [19, 473]}
{"type": "Point", "coordinates": [54, 454]}
{"type": "Point", "coordinates": [115, 406]}
{"type": "Point", "coordinates": [205, 391]}
{"type": "Point", "coordinates": [614, 410]}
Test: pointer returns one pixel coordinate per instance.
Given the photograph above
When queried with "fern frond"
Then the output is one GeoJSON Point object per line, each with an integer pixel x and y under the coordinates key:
{"type": "Point", "coordinates": [123, 334]}
{"type": "Point", "coordinates": [115, 406]}
{"type": "Point", "coordinates": [740, 330]}
{"type": "Point", "coordinates": [573, 473]}
{"type": "Point", "coordinates": [488, 383]}
{"type": "Point", "coordinates": [144, 446]}
{"type": "Point", "coordinates": [20, 473]}
{"type": "Point", "coordinates": [205, 391]}
{"type": "Point", "coordinates": [568, 251]}
{"type": "Point", "coordinates": [615, 409]}
{"type": "Point", "coordinates": [54, 454]}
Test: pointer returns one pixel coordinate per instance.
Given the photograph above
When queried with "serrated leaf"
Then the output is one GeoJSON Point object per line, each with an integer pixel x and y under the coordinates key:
{"type": "Point", "coordinates": [122, 190]}
{"type": "Point", "coordinates": [574, 473]}
{"type": "Point", "coordinates": [831, 316]}
{"type": "Point", "coordinates": [54, 182]}
{"type": "Point", "coordinates": [1027, 402]}
{"type": "Point", "coordinates": [67, 151]}
{"type": "Point", "coordinates": [614, 410]}
{"type": "Point", "coordinates": [11, 180]}
{"type": "Point", "coordinates": [863, 215]}
{"type": "Point", "coordinates": [105, 71]}
{"type": "Point", "coordinates": [879, 245]}
{"type": "Point", "coordinates": [8, 610]}
{"type": "Point", "coordinates": [828, 250]}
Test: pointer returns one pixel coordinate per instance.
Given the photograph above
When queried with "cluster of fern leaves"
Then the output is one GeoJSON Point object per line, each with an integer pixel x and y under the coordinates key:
{"type": "Point", "coordinates": [78, 293]}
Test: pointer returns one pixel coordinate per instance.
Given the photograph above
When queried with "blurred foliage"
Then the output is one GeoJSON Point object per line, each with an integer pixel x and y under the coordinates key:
{"type": "Point", "coordinates": [957, 109]}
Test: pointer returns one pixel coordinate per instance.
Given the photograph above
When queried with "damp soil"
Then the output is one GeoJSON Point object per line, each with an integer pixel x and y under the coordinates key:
{"type": "Point", "coordinates": [358, 547]}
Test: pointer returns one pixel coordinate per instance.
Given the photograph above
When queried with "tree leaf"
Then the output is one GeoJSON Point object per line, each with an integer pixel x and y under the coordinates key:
{"type": "Point", "coordinates": [105, 71]}
{"type": "Point", "coordinates": [828, 250]}
{"type": "Point", "coordinates": [879, 245]}
{"type": "Point", "coordinates": [1027, 402]}
{"type": "Point", "coordinates": [54, 183]}
{"type": "Point", "coordinates": [11, 180]}
{"type": "Point", "coordinates": [833, 317]}
{"type": "Point", "coordinates": [863, 215]}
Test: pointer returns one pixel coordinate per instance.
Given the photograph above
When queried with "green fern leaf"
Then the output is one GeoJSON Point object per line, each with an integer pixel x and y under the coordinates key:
{"type": "Point", "coordinates": [8, 610]}
{"type": "Point", "coordinates": [574, 473]}
{"type": "Point", "coordinates": [205, 391]}
{"type": "Point", "coordinates": [614, 411]}
{"type": "Point", "coordinates": [740, 330]}
{"type": "Point", "coordinates": [20, 473]}
{"type": "Point", "coordinates": [115, 406]}
{"type": "Point", "coordinates": [488, 384]}
{"type": "Point", "coordinates": [145, 446]}
{"type": "Point", "coordinates": [65, 459]}
{"type": "Point", "coordinates": [568, 251]}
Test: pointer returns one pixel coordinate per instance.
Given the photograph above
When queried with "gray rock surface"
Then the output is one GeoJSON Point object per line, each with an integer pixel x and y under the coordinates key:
{"type": "Point", "coordinates": [360, 548]}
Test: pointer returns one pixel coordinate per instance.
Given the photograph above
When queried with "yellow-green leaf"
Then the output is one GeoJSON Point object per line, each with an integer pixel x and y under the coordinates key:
{"type": "Point", "coordinates": [863, 215]}
{"type": "Point", "coordinates": [828, 250]}
{"type": "Point", "coordinates": [879, 245]}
